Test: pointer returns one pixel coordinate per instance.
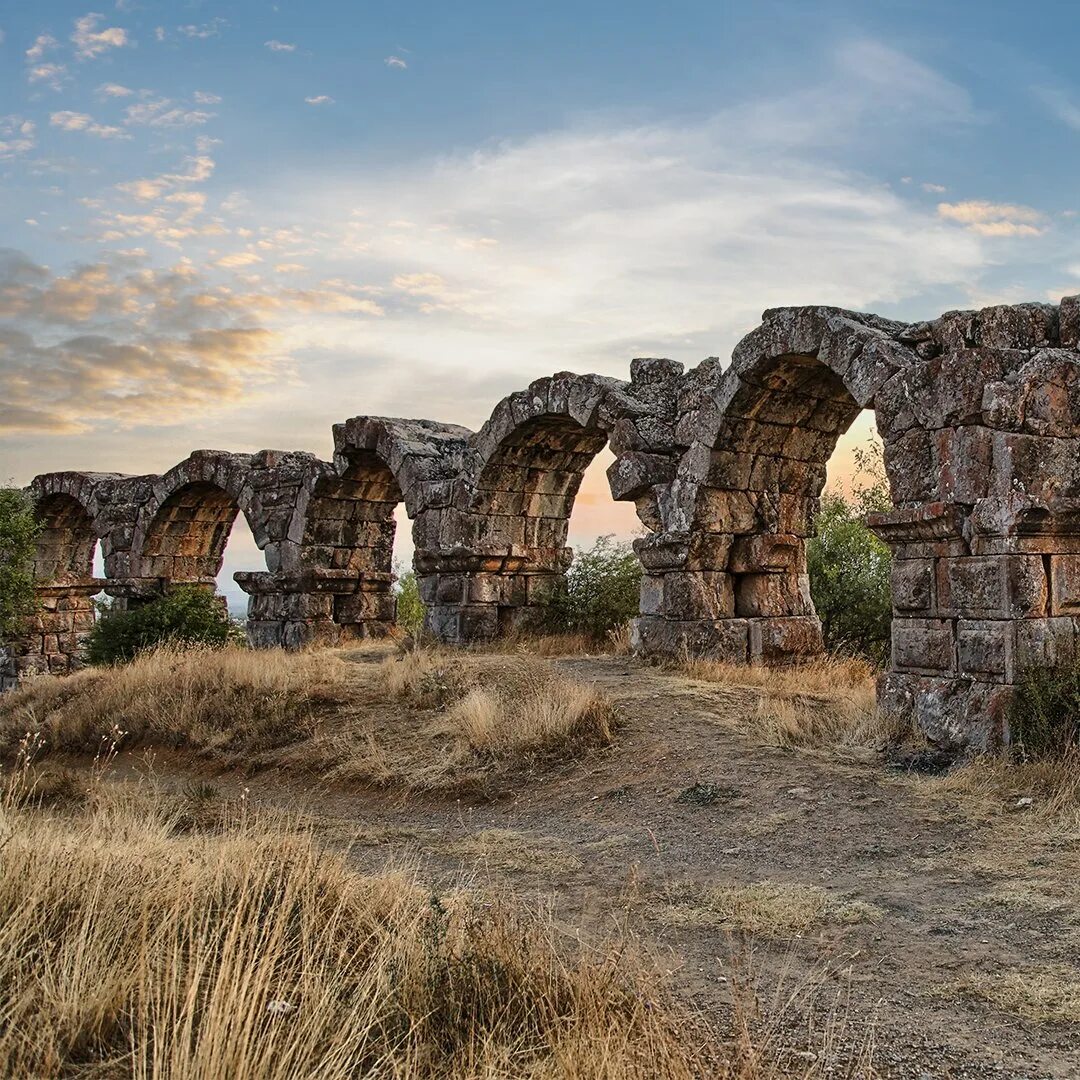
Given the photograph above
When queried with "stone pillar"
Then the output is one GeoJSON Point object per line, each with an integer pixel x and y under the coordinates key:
{"type": "Point", "coordinates": [472, 597]}
{"type": "Point", "coordinates": [52, 643]}
{"type": "Point", "coordinates": [738, 599]}
{"type": "Point", "coordinates": [317, 607]}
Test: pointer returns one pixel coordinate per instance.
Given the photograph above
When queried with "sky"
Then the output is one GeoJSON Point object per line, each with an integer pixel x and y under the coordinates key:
{"type": "Point", "coordinates": [231, 225]}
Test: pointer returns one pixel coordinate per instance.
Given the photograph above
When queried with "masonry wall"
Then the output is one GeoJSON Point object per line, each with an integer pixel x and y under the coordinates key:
{"type": "Point", "coordinates": [980, 417]}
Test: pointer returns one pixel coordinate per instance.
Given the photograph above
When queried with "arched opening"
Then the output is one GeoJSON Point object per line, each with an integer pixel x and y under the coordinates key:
{"type": "Point", "coordinates": [67, 542]}
{"type": "Point", "coordinates": [348, 541]}
{"type": "Point", "coordinates": [850, 569]}
{"type": "Point", "coordinates": [65, 583]}
{"type": "Point", "coordinates": [525, 495]}
{"type": "Point", "coordinates": [241, 555]}
{"type": "Point", "coordinates": [758, 486]}
{"type": "Point", "coordinates": [185, 541]}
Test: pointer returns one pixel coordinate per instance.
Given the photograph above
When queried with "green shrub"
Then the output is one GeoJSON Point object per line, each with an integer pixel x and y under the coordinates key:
{"type": "Point", "coordinates": [18, 535]}
{"type": "Point", "coordinates": [1044, 715]}
{"type": "Point", "coordinates": [186, 615]}
{"type": "Point", "coordinates": [410, 608]}
{"type": "Point", "coordinates": [850, 568]}
{"type": "Point", "coordinates": [602, 592]}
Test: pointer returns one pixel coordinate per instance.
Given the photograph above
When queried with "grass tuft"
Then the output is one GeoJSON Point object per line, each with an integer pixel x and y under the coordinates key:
{"type": "Point", "coordinates": [132, 948]}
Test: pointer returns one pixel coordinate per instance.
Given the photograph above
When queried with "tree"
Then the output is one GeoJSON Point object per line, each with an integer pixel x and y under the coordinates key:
{"type": "Point", "coordinates": [603, 587]}
{"type": "Point", "coordinates": [410, 608]}
{"type": "Point", "coordinates": [19, 530]}
{"type": "Point", "coordinates": [850, 567]}
{"type": "Point", "coordinates": [186, 615]}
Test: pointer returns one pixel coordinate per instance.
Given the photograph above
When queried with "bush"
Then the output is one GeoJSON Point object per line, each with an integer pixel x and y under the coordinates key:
{"type": "Point", "coordinates": [186, 615]}
{"type": "Point", "coordinates": [18, 534]}
{"type": "Point", "coordinates": [410, 608]}
{"type": "Point", "coordinates": [602, 592]}
{"type": "Point", "coordinates": [850, 568]}
{"type": "Point", "coordinates": [1044, 715]}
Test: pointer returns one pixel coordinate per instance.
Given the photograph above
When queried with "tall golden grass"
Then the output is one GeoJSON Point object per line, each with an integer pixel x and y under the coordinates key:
{"type": "Point", "coordinates": [425, 720]}
{"type": "Point", "coordinates": [214, 700]}
{"type": "Point", "coordinates": [130, 947]}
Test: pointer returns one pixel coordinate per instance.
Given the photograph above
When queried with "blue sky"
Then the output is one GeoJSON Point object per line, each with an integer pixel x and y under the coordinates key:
{"type": "Point", "coordinates": [232, 224]}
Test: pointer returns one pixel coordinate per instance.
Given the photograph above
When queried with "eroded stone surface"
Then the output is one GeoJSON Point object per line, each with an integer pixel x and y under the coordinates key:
{"type": "Point", "coordinates": [980, 416]}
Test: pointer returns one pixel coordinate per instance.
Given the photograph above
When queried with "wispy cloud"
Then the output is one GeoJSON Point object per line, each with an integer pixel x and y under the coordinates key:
{"type": "Point", "coordinates": [117, 343]}
{"type": "Point", "coordinates": [17, 136]}
{"type": "Point", "coordinates": [164, 113]}
{"type": "Point", "coordinates": [321, 99]}
{"type": "Point", "coordinates": [203, 98]}
{"type": "Point", "coordinates": [994, 219]}
{"type": "Point", "coordinates": [77, 121]}
{"type": "Point", "coordinates": [279, 46]}
{"type": "Point", "coordinates": [52, 75]}
{"type": "Point", "coordinates": [114, 90]}
{"type": "Point", "coordinates": [197, 31]}
{"type": "Point", "coordinates": [91, 42]}
{"type": "Point", "coordinates": [395, 62]}
{"type": "Point", "coordinates": [42, 44]}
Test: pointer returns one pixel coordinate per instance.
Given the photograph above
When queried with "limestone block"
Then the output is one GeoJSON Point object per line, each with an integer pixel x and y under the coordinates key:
{"type": "Point", "coordinates": [361, 606]}
{"type": "Point", "coordinates": [981, 646]}
{"type": "Point", "coordinates": [1038, 643]}
{"type": "Point", "coordinates": [923, 645]}
{"type": "Point", "coordinates": [992, 586]}
{"type": "Point", "coordinates": [785, 640]}
{"type": "Point", "coordinates": [651, 596]}
{"type": "Point", "coordinates": [767, 553]}
{"type": "Point", "coordinates": [913, 584]}
{"type": "Point", "coordinates": [1065, 584]}
{"type": "Point", "coordinates": [721, 639]}
{"type": "Point", "coordinates": [772, 594]}
{"type": "Point", "coordinates": [697, 594]}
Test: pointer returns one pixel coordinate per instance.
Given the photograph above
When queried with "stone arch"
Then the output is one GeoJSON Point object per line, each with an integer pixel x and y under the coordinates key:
{"type": "Point", "coordinates": [181, 530]}
{"type": "Point", "coordinates": [67, 509]}
{"type": "Point", "coordinates": [728, 575]}
{"type": "Point", "coordinates": [529, 460]}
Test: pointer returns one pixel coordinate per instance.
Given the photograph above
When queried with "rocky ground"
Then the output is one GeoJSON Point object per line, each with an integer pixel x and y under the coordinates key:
{"type": "Point", "coordinates": [888, 915]}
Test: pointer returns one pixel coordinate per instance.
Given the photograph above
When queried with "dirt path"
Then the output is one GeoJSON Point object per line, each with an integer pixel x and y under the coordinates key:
{"type": "Point", "coordinates": [609, 841]}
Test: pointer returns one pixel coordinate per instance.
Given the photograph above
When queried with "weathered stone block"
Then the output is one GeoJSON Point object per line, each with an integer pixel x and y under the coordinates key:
{"type": "Point", "coordinates": [1038, 643]}
{"type": "Point", "coordinates": [721, 639]}
{"type": "Point", "coordinates": [698, 594]}
{"type": "Point", "coordinates": [767, 553]}
{"type": "Point", "coordinates": [785, 640]}
{"type": "Point", "coordinates": [923, 645]}
{"type": "Point", "coordinates": [992, 586]}
{"type": "Point", "coordinates": [1065, 584]}
{"type": "Point", "coordinates": [913, 584]}
{"type": "Point", "coordinates": [981, 647]}
{"type": "Point", "coordinates": [772, 594]}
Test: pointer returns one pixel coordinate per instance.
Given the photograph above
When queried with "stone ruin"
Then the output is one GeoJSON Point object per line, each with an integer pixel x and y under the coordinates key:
{"type": "Point", "coordinates": [979, 412]}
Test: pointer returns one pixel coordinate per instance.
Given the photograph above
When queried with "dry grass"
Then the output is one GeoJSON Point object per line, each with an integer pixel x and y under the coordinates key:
{"type": "Point", "coordinates": [993, 783]}
{"type": "Point", "coordinates": [424, 720]}
{"type": "Point", "coordinates": [218, 701]}
{"type": "Point", "coordinates": [614, 643]}
{"type": "Point", "coordinates": [826, 704]}
{"type": "Point", "coordinates": [1041, 995]}
{"type": "Point", "coordinates": [506, 849]}
{"type": "Point", "coordinates": [472, 723]}
{"type": "Point", "coordinates": [129, 947]}
{"type": "Point", "coordinates": [766, 908]}
{"type": "Point", "coordinates": [827, 677]}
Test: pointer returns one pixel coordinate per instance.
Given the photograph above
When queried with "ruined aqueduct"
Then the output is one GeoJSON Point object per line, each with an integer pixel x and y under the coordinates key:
{"type": "Point", "coordinates": [979, 413]}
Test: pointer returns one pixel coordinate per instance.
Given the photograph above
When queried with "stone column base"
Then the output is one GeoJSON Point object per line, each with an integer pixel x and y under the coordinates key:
{"type": "Point", "coordinates": [773, 641]}
{"type": "Point", "coordinates": [317, 608]}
